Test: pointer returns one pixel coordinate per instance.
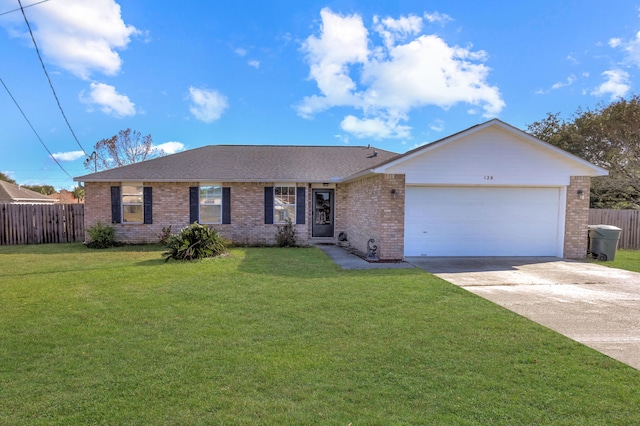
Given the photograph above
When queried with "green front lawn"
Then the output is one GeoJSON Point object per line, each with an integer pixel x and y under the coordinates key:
{"type": "Point", "coordinates": [625, 259]}
{"type": "Point", "coordinates": [279, 336]}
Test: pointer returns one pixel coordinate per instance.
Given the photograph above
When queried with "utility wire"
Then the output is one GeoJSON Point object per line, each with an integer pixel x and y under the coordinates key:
{"type": "Point", "coordinates": [29, 5]}
{"type": "Point", "coordinates": [34, 130]}
{"type": "Point", "coordinates": [49, 78]}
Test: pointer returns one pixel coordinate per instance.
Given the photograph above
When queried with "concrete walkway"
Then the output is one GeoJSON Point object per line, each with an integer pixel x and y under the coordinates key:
{"type": "Point", "coordinates": [347, 260]}
{"type": "Point", "coordinates": [592, 304]}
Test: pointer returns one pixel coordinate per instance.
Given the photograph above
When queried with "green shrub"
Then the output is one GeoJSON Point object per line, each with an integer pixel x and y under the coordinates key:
{"type": "Point", "coordinates": [286, 235]}
{"type": "Point", "coordinates": [195, 242]}
{"type": "Point", "coordinates": [101, 236]}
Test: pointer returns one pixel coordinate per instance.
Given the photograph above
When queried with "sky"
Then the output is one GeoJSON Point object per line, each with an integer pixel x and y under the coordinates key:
{"type": "Point", "coordinates": [393, 74]}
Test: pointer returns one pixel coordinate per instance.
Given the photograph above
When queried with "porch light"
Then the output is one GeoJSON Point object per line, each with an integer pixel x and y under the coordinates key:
{"type": "Point", "coordinates": [393, 193]}
{"type": "Point", "coordinates": [581, 194]}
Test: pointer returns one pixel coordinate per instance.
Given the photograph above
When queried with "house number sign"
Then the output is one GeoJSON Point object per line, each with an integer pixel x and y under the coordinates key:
{"type": "Point", "coordinates": [488, 178]}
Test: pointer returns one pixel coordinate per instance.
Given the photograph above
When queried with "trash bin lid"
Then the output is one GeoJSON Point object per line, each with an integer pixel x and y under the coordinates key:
{"type": "Point", "coordinates": [609, 227]}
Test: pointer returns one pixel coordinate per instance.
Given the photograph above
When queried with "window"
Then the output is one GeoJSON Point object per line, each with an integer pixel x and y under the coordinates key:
{"type": "Point", "coordinates": [211, 204]}
{"type": "Point", "coordinates": [132, 204]}
{"type": "Point", "coordinates": [284, 204]}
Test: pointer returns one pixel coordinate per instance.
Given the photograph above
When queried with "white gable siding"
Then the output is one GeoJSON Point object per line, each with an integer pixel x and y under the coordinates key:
{"type": "Point", "coordinates": [490, 156]}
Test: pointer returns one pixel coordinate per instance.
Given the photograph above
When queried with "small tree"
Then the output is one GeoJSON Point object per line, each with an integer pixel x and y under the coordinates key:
{"type": "Point", "coordinates": [6, 178]}
{"type": "Point", "coordinates": [42, 189]}
{"type": "Point", "coordinates": [127, 147]}
{"type": "Point", "coordinates": [78, 193]}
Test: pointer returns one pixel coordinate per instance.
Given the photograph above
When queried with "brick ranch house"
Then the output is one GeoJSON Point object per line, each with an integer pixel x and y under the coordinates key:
{"type": "Point", "coordinates": [490, 190]}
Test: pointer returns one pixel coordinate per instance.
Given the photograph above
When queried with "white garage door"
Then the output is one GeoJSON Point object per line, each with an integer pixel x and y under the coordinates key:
{"type": "Point", "coordinates": [472, 221]}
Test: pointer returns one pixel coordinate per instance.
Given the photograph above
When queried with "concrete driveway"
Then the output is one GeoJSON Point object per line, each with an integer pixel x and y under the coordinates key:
{"type": "Point", "coordinates": [592, 304]}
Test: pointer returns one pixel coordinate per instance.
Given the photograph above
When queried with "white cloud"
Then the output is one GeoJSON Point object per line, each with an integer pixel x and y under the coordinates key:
{"type": "Point", "coordinates": [615, 42]}
{"type": "Point", "coordinates": [170, 147]}
{"type": "Point", "coordinates": [441, 18]}
{"type": "Point", "coordinates": [109, 101]}
{"type": "Point", "coordinates": [630, 47]}
{"type": "Point", "coordinates": [343, 41]}
{"type": "Point", "coordinates": [207, 105]}
{"type": "Point", "coordinates": [376, 128]}
{"type": "Point", "coordinates": [409, 70]}
{"type": "Point", "coordinates": [68, 156]}
{"type": "Point", "coordinates": [240, 51]}
{"type": "Point", "coordinates": [344, 138]}
{"type": "Point", "coordinates": [79, 36]}
{"type": "Point", "coordinates": [254, 63]}
{"type": "Point", "coordinates": [437, 125]}
{"type": "Point", "coordinates": [617, 84]}
{"type": "Point", "coordinates": [393, 31]}
{"type": "Point", "coordinates": [570, 80]}
{"type": "Point", "coordinates": [418, 145]}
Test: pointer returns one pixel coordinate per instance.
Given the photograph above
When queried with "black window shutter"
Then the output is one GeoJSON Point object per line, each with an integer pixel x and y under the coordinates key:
{"type": "Point", "coordinates": [268, 204]}
{"type": "Point", "coordinates": [194, 198]}
{"type": "Point", "coordinates": [226, 205]}
{"type": "Point", "coordinates": [148, 204]}
{"type": "Point", "coordinates": [300, 205]}
{"type": "Point", "coordinates": [116, 210]}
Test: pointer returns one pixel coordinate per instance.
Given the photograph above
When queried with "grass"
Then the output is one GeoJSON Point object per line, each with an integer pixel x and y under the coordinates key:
{"type": "Point", "coordinates": [279, 336]}
{"type": "Point", "coordinates": [625, 259]}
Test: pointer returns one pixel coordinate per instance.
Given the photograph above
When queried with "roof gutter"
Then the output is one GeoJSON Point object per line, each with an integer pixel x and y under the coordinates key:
{"type": "Point", "coordinates": [332, 180]}
{"type": "Point", "coordinates": [358, 175]}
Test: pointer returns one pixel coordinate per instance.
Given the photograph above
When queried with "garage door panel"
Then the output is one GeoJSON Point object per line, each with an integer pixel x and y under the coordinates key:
{"type": "Point", "coordinates": [465, 221]}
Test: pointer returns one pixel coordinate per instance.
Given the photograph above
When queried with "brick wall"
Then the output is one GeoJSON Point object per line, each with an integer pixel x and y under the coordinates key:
{"type": "Point", "coordinates": [577, 218]}
{"type": "Point", "coordinates": [367, 209]}
{"type": "Point", "coordinates": [171, 208]}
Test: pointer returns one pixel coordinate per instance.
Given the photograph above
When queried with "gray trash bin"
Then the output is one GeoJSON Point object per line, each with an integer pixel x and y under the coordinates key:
{"type": "Point", "coordinates": [603, 241]}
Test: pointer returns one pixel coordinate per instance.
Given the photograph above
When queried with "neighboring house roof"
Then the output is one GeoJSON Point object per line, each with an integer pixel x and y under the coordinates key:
{"type": "Point", "coordinates": [14, 194]}
{"type": "Point", "coordinates": [591, 169]}
{"type": "Point", "coordinates": [250, 163]}
{"type": "Point", "coordinates": [66, 197]}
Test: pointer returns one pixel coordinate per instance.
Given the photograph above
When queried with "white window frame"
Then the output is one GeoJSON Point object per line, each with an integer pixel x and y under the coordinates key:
{"type": "Point", "coordinates": [129, 196]}
{"type": "Point", "coordinates": [283, 203]}
{"type": "Point", "coordinates": [213, 201]}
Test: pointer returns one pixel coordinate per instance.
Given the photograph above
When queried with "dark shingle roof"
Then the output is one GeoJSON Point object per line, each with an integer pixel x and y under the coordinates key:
{"type": "Point", "coordinates": [10, 192]}
{"type": "Point", "coordinates": [235, 163]}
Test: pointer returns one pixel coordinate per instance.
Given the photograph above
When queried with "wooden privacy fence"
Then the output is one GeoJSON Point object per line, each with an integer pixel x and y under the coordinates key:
{"type": "Point", "coordinates": [40, 223]}
{"type": "Point", "coordinates": [628, 220]}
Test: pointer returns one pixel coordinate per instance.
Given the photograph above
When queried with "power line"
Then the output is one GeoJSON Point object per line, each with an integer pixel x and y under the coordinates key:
{"type": "Point", "coordinates": [55, 95]}
{"type": "Point", "coordinates": [29, 5]}
{"type": "Point", "coordinates": [34, 130]}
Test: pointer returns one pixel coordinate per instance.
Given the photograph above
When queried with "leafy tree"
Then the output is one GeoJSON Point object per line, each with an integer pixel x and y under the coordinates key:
{"type": "Point", "coordinates": [127, 147]}
{"type": "Point", "coordinates": [78, 193]}
{"type": "Point", "coordinates": [42, 189]}
{"type": "Point", "coordinates": [6, 178]}
{"type": "Point", "coordinates": [608, 136]}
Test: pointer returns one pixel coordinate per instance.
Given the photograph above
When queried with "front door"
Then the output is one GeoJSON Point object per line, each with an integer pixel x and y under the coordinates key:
{"type": "Point", "coordinates": [322, 213]}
